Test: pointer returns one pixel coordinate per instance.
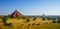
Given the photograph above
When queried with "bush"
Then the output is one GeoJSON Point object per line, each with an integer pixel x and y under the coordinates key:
{"type": "Point", "coordinates": [23, 17]}
{"type": "Point", "coordinates": [29, 24]}
{"type": "Point", "coordinates": [34, 18]}
{"type": "Point", "coordinates": [18, 17]}
{"type": "Point", "coordinates": [8, 24]}
{"type": "Point", "coordinates": [54, 21]}
{"type": "Point", "coordinates": [38, 24]}
{"type": "Point", "coordinates": [58, 21]}
{"type": "Point", "coordinates": [22, 24]}
{"type": "Point", "coordinates": [4, 21]}
{"type": "Point", "coordinates": [27, 20]}
{"type": "Point", "coordinates": [5, 18]}
{"type": "Point", "coordinates": [33, 24]}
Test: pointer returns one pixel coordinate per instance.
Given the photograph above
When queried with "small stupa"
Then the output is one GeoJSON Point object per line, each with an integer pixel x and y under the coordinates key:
{"type": "Point", "coordinates": [15, 14]}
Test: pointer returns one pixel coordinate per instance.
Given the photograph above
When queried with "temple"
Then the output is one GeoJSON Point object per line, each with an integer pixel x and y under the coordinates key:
{"type": "Point", "coordinates": [15, 14]}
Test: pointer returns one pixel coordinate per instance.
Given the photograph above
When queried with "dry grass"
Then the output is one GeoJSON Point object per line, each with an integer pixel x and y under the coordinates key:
{"type": "Point", "coordinates": [21, 24]}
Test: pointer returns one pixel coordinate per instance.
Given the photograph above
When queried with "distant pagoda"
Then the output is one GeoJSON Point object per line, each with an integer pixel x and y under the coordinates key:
{"type": "Point", "coordinates": [15, 14]}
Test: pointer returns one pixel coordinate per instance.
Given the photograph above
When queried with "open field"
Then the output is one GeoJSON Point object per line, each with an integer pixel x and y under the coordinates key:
{"type": "Point", "coordinates": [26, 23]}
{"type": "Point", "coordinates": [48, 26]}
{"type": "Point", "coordinates": [30, 25]}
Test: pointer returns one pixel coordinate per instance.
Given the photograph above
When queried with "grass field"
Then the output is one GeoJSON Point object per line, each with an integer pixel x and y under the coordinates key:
{"type": "Point", "coordinates": [21, 24]}
{"type": "Point", "coordinates": [49, 26]}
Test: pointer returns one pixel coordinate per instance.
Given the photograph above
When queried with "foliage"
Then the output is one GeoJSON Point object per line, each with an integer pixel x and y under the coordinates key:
{"type": "Point", "coordinates": [29, 24]}
{"type": "Point", "coordinates": [58, 21]}
{"type": "Point", "coordinates": [4, 21]}
{"type": "Point", "coordinates": [54, 21]}
{"type": "Point", "coordinates": [38, 24]}
{"type": "Point", "coordinates": [27, 20]}
{"type": "Point", "coordinates": [8, 24]}
{"type": "Point", "coordinates": [34, 18]}
{"type": "Point", "coordinates": [5, 18]}
{"type": "Point", "coordinates": [18, 25]}
{"type": "Point", "coordinates": [33, 24]}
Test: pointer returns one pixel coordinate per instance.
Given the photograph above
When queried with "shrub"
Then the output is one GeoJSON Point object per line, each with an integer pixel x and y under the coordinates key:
{"type": "Point", "coordinates": [27, 20]}
{"type": "Point", "coordinates": [38, 24]}
{"type": "Point", "coordinates": [29, 24]}
{"type": "Point", "coordinates": [34, 18]}
{"type": "Point", "coordinates": [21, 24]}
{"type": "Point", "coordinates": [18, 17]}
{"type": "Point", "coordinates": [5, 18]}
{"type": "Point", "coordinates": [58, 21]}
{"type": "Point", "coordinates": [4, 21]}
{"type": "Point", "coordinates": [23, 17]}
{"type": "Point", "coordinates": [54, 21]}
{"type": "Point", "coordinates": [33, 24]}
{"type": "Point", "coordinates": [8, 24]}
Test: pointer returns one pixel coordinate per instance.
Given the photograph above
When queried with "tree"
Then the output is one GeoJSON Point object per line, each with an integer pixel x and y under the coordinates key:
{"type": "Point", "coordinates": [5, 18]}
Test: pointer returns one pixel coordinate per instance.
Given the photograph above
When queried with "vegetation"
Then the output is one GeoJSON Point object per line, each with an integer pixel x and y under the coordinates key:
{"type": "Point", "coordinates": [27, 20]}
{"type": "Point", "coordinates": [5, 18]}
{"type": "Point", "coordinates": [17, 23]}
{"type": "Point", "coordinates": [34, 18]}
{"type": "Point", "coordinates": [54, 21]}
{"type": "Point", "coordinates": [33, 24]}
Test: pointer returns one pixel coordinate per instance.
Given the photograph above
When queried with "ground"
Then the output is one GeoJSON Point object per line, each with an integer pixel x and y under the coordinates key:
{"type": "Point", "coordinates": [21, 24]}
{"type": "Point", "coordinates": [49, 26]}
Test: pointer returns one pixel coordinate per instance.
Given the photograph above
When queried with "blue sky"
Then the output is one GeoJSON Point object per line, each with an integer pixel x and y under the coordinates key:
{"type": "Point", "coordinates": [30, 7]}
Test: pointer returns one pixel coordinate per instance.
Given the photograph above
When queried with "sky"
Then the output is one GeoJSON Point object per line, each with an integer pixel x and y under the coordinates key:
{"type": "Point", "coordinates": [30, 7]}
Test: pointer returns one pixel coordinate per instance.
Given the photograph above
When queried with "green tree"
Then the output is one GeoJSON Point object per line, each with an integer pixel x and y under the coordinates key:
{"type": "Point", "coordinates": [5, 18]}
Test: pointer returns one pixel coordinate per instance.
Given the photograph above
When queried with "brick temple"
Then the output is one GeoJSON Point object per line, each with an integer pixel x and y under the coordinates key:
{"type": "Point", "coordinates": [15, 14]}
